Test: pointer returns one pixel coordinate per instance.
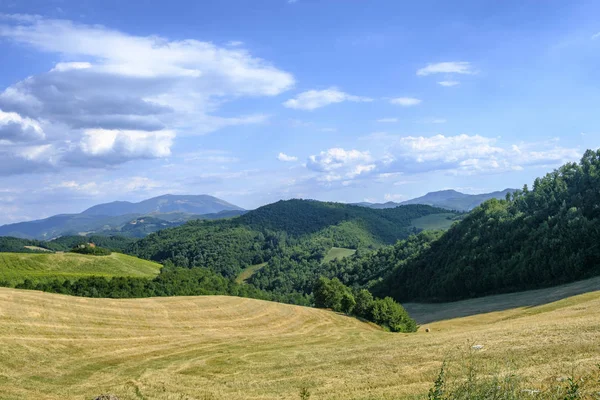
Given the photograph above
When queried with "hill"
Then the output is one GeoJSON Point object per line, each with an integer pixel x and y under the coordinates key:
{"type": "Point", "coordinates": [293, 237]}
{"type": "Point", "coordinates": [541, 237]}
{"type": "Point", "coordinates": [215, 347]}
{"type": "Point", "coordinates": [16, 267]}
{"type": "Point", "coordinates": [448, 199]}
{"type": "Point", "coordinates": [125, 218]}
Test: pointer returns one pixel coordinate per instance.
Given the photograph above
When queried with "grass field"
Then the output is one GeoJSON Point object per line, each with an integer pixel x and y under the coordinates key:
{"type": "Point", "coordinates": [338, 252]}
{"type": "Point", "coordinates": [214, 347]}
{"type": "Point", "coordinates": [16, 267]}
{"type": "Point", "coordinates": [248, 272]}
{"type": "Point", "coordinates": [425, 313]}
{"type": "Point", "coordinates": [434, 221]}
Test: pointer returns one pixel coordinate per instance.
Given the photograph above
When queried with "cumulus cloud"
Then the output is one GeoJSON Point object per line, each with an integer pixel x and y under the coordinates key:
{"type": "Point", "coordinates": [286, 158]}
{"type": "Point", "coordinates": [338, 164]}
{"type": "Point", "coordinates": [118, 84]}
{"type": "Point", "coordinates": [449, 67]}
{"type": "Point", "coordinates": [129, 144]}
{"type": "Point", "coordinates": [313, 99]}
{"type": "Point", "coordinates": [449, 83]}
{"type": "Point", "coordinates": [460, 154]}
{"type": "Point", "coordinates": [14, 128]}
{"type": "Point", "coordinates": [405, 101]}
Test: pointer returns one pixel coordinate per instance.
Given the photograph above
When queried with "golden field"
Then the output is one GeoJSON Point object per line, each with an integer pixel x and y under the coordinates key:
{"type": "Point", "coordinates": [216, 347]}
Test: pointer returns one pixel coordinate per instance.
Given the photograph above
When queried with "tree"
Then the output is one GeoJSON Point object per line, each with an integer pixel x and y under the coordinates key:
{"type": "Point", "coordinates": [364, 304]}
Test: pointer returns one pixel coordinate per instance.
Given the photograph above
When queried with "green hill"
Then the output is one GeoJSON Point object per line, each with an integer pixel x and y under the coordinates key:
{"type": "Point", "coordinates": [540, 237]}
{"type": "Point", "coordinates": [293, 237]}
{"type": "Point", "coordinates": [16, 267]}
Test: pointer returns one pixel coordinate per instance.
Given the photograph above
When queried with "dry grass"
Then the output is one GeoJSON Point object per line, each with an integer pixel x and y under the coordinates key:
{"type": "Point", "coordinates": [57, 347]}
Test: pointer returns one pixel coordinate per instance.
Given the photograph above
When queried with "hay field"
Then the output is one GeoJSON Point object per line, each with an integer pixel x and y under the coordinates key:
{"type": "Point", "coordinates": [215, 347]}
{"type": "Point", "coordinates": [16, 267]}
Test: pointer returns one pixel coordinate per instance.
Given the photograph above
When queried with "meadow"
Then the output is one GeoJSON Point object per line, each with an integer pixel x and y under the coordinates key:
{"type": "Point", "coordinates": [215, 347]}
{"type": "Point", "coordinates": [435, 221]}
{"type": "Point", "coordinates": [338, 253]}
{"type": "Point", "coordinates": [16, 267]}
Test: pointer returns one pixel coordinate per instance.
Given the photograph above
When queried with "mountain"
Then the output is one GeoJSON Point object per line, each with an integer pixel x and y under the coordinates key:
{"type": "Point", "coordinates": [198, 205]}
{"type": "Point", "coordinates": [541, 237]}
{"type": "Point", "coordinates": [448, 199]}
{"type": "Point", "coordinates": [289, 238]}
{"type": "Point", "coordinates": [125, 218]}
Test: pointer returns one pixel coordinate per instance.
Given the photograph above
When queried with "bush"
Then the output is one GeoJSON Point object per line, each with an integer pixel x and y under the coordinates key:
{"type": "Point", "coordinates": [386, 312]}
{"type": "Point", "coordinates": [333, 294]}
{"type": "Point", "coordinates": [91, 249]}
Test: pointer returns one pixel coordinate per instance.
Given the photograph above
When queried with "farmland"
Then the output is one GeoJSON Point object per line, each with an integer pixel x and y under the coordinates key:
{"type": "Point", "coordinates": [16, 267]}
{"type": "Point", "coordinates": [216, 347]}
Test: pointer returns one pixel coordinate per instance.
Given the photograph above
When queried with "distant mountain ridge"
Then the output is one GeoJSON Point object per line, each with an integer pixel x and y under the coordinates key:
{"type": "Point", "coordinates": [123, 217]}
{"type": "Point", "coordinates": [190, 204]}
{"type": "Point", "coordinates": [448, 199]}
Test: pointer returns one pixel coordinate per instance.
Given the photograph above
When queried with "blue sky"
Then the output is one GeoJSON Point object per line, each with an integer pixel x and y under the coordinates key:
{"type": "Point", "coordinates": [258, 101]}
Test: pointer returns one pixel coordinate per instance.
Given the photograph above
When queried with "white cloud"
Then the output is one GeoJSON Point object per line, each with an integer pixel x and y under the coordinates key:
{"type": "Point", "coordinates": [68, 66]}
{"type": "Point", "coordinates": [313, 99]}
{"type": "Point", "coordinates": [405, 101]}
{"type": "Point", "coordinates": [127, 144]}
{"type": "Point", "coordinates": [15, 128]}
{"type": "Point", "coordinates": [286, 158]}
{"type": "Point", "coordinates": [235, 43]}
{"type": "Point", "coordinates": [451, 67]}
{"type": "Point", "coordinates": [387, 120]}
{"type": "Point", "coordinates": [596, 36]}
{"type": "Point", "coordinates": [449, 83]}
{"type": "Point", "coordinates": [472, 154]}
{"type": "Point", "coordinates": [116, 82]}
{"type": "Point", "coordinates": [460, 154]}
{"type": "Point", "coordinates": [337, 164]}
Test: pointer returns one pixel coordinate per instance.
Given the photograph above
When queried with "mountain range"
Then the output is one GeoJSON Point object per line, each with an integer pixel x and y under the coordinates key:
{"type": "Point", "coordinates": [125, 218]}
{"type": "Point", "coordinates": [147, 216]}
{"type": "Point", "coordinates": [448, 199]}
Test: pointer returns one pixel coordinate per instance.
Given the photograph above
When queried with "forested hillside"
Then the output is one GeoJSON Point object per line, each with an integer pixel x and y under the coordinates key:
{"type": "Point", "coordinates": [544, 236]}
{"type": "Point", "coordinates": [291, 237]}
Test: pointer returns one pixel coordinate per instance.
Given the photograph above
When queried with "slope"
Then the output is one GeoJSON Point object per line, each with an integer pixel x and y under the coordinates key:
{"type": "Point", "coordinates": [288, 235]}
{"type": "Point", "coordinates": [541, 237]}
{"type": "Point", "coordinates": [214, 347]}
{"type": "Point", "coordinates": [16, 267]}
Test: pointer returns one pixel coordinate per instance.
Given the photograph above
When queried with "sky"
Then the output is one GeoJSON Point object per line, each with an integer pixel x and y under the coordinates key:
{"type": "Point", "coordinates": [256, 101]}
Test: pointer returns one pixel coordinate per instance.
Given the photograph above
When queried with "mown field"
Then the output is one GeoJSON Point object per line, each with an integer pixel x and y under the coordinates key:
{"type": "Point", "coordinates": [16, 267]}
{"type": "Point", "coordinates": [214, 347]}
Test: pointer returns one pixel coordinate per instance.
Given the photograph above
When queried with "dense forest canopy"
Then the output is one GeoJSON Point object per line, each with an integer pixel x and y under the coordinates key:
{"type": "Point", "coordinates": [288, 235]}
{"type": "Point", "coordinates": [546, 235]}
